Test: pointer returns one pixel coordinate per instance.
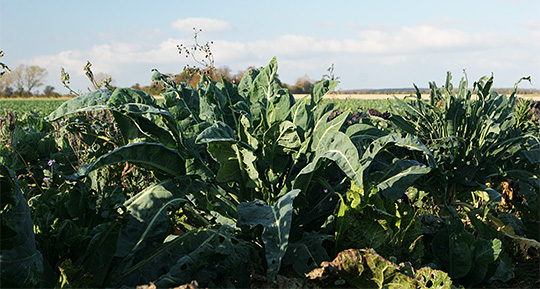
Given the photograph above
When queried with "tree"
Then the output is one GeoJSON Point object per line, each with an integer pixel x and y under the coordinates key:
{"type": "Point", "coordinates": [49, 91]}
{"type": "Point", "coordinates": [26, 78]}
{"type": "Point", "coordinates": [35, 76]}
{"type": "Point", "coordinates": [303, 85]}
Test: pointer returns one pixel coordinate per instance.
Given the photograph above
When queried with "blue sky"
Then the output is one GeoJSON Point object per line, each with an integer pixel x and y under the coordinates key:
{"type": "Point", "coordinates": [375, 44]}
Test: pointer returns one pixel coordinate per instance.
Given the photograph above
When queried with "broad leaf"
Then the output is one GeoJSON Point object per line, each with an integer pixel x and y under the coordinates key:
{"type": "Point", "coordinates": [152, 155]}
{"type": "Point", "coordinates": [402, 176]}
{"type": "Point", "coordinates": [21, 264]}
{"type": "Point", "coordinates": [146, 224]}
{"type": "Point", "coordinates": [219, 132]}
{"type": "Point", "coordinates": [212, 257]}
{"type": "Point", "coordinates": [483, 253]}
{"type": "Point", "coordinates": [321, 89]}
{"type": "Point", "coordinates": [307, 253]}
{"type": "Point", "coordinates": [237, 163]}
{"type": "Point", "coordinates": [126, 95]}
{"type": "Point", "coordinates": [276, 222]}
{"type": "Point", "coordinates": [337, 147]}
{"type": "Point", "coordinates": [95, 100]}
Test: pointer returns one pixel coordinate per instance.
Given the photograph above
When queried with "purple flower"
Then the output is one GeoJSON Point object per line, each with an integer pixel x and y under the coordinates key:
{"type": "Point", "coordinates": [62, 122]}
{"type": "Point", "coordinates": [51, 162]}
{"type": "Point", "coordinates": [46, 179]}
{"type": "Point", "coordinates": [325, 190]}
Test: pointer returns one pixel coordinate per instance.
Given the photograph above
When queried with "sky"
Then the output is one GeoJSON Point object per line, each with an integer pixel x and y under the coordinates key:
{"type": "Point", "coordinates": [372, 44]}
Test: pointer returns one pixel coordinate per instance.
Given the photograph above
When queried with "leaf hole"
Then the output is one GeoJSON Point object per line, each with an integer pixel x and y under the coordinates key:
{"type": "Point", "coordinates": [183, 267]}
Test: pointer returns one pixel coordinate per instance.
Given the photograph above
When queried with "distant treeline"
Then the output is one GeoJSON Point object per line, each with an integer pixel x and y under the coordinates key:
{"type": "Point", "coordinates": [427, 90]}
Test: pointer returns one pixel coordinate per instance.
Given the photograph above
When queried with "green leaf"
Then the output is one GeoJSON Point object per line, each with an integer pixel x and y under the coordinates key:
{"type": "Point", "coordinates": [279, 106]}
{"type": "Point", "coordinates": [323, 127]}
{"type": "Point", "coordinates": [307, 253]}
{"type": "Point", "coordinates": [320, 89]}
{"type": "Point", "coordinates": [127, 95]}
{"type": "Point", "coordinates": [263, 88]}
{"type": "Point", "coordinates": [483, 253]}
{"type": "Point", "coordinates": [152, 155]}
{"type": "Point", "coordinates": [95, 100]}
{"type": "Point", "coordinates": [407, 172]}
{"type": "Point", "coordinates": [301, 115]}
{"type": "Point", "coordinates": [136, 128]}
{"type": "Point", "coordinates": [276, 222]}
{"type": "Point", "coordinates": [211, 257]}
{"type": "Point", "coordinates": [147, 217]}
{"type": "Point", "coordinates": [100, 252]}
{"type": "Point", "coordinates": [219, 132]}
{"type": "Point", "coordinates": [237, 163]}
{"type": "Point", "coordinates": [412, 171]}
{"type": "Point", "coordinates": [453, 252]}
{"type": "Point", "coordinates": [184, 99]}
{"type": "Point", "coordinates": [21, 263]}
{"type": "Point", "coordinates": [145, 225]}
{"type": "Point", "coordinates": [282, 137]}
{"type": "Point", "coordinates": [438, 278]}
{"type": "Point", "coordinates": [337, 147]}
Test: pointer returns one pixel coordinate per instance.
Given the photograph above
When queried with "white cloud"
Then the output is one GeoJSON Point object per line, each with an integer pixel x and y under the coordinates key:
{"type": "Point", "coordinates": [206, 24]}
{"type": "Point", "coordinates": [409, 51]}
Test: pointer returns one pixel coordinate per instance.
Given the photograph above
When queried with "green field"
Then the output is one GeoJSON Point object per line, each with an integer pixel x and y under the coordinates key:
{"type": "Point", "coordinates": [44, 106]}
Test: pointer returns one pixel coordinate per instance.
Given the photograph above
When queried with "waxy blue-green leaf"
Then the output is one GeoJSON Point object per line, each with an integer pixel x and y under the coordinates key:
{"type": "Point", "coordinates": [152, 155]}
{"type": "Point", "coordinates": [406, 141]}
{"type": "Point", "coordinates": [21, 264]}
{"type": "Point", "coordinates": [147, 213]}
{"type": "Point", "coordinates": [280, 141]}
{"type": "Point", "coordinates": [337, 147]}
{"type": "Point", "coordinates": [95, 100]}
{"type": "Point", "coordinates": [219, 132]}
{"type": "Point", "coordinates": [184, 97]}
{"type": "Point", "coordinates": [307, 253]}
{"type": "Point", "coordinates": [145, 225]}
{"type": "Point", "coordinates": [452, 250]}
{"type": "Point", "coordinates": [323, 128]}
{"type": "Point", "coordinates": [206, 255]}
{"type": "Point", "coordinates": [237, 164]}
{"type": "Point", "coordinates": [126, 95]}
{"type": "Point", "coordinates": [320, 89]}
{"type": "Point", "coordinates": [282, 135]}
{"type": "Point", "coordinates": [245, 131]}
{"type": "Point", "coordinates": [136, 128]}
{"type": "Point", "coordinates": [100, 252]}
{"type": "Point", "coordinates": [279, 106]}
{"type": "Point", "coordinates": [276, 221]}
{"type": "Point", "coordinates": [302, 115]}
{"type": "Point", "coordinates": [263, 88]}
{"type": "Point", "coordinates": [213, 103]}
{"type": "Point", "coordinates": [483, 253]}
{"type": "Point", "coordinates": [402, 176]}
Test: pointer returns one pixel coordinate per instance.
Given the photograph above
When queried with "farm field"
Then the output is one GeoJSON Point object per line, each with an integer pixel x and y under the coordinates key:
{"type": "Point", "coordinates": [381, 102]}
{"type": "Point", "coordinates": [245, 186]}
{"type": "Point", "coordinates": [44, 106]}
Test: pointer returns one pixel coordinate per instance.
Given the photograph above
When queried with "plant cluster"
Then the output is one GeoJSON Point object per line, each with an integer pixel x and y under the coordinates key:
{"type": "Point", "coordinates": [231, 185]}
